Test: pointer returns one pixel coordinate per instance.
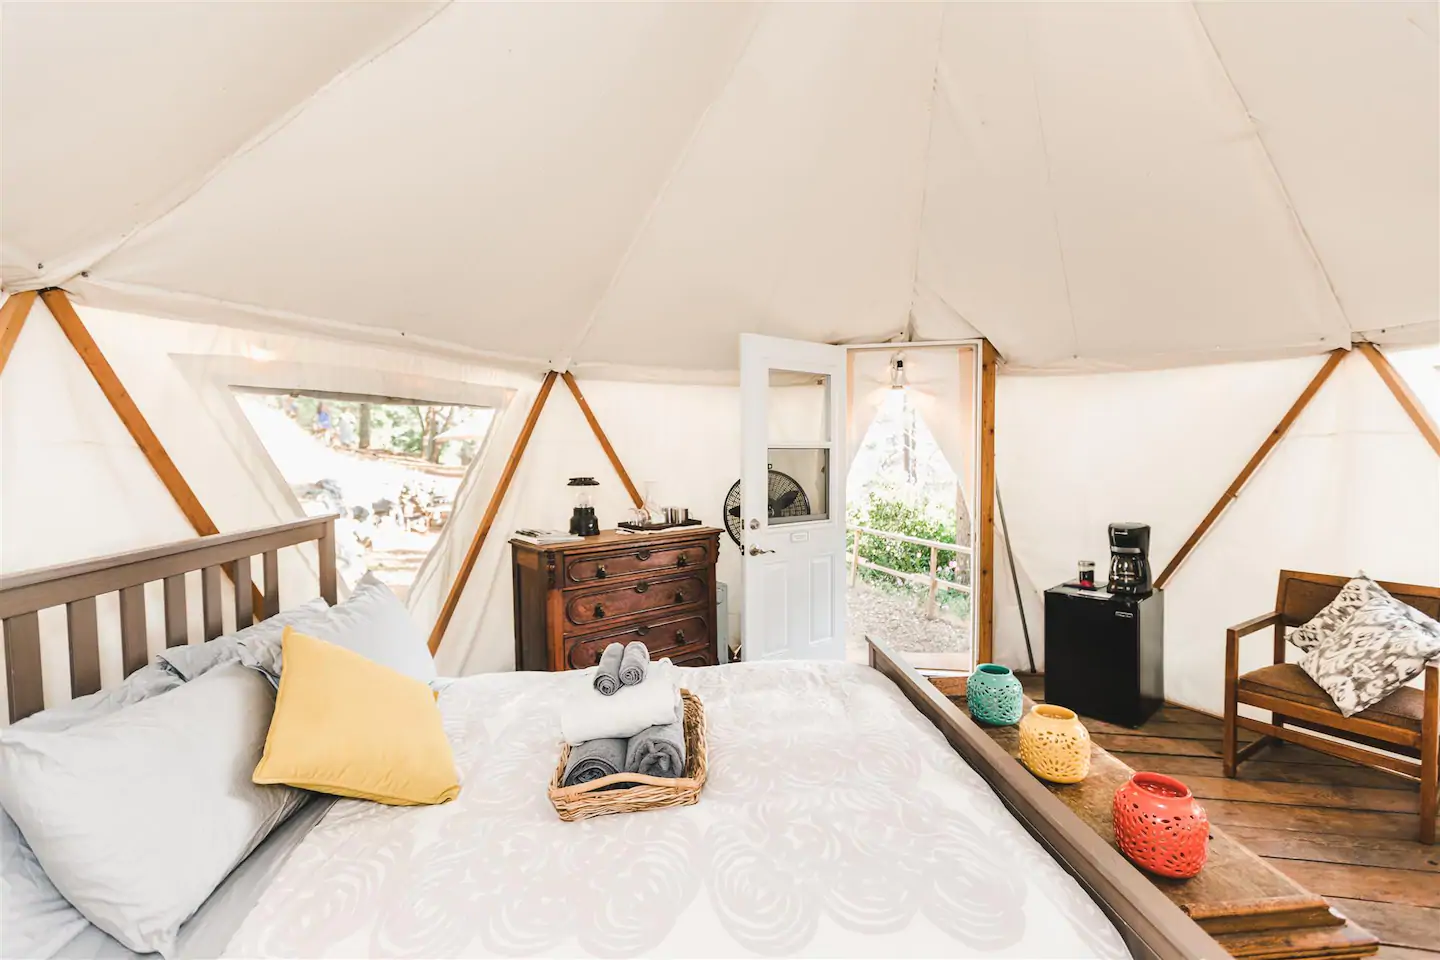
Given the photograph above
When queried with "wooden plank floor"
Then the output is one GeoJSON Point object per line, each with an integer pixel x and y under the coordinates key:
{"type": "Point", "coordinates": [1342, 830]}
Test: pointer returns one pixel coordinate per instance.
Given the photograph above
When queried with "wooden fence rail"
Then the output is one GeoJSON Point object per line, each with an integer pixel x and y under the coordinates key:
{"type": "Point", "coordinates": [932, 583]}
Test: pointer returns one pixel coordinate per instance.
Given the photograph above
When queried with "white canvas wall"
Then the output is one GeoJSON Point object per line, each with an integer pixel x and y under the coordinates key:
{"type": "Point", "coordinates": [1352, 486]}
{"type": "Point", "coordinates": [686, 439]}
{"type": "Point", "coordinates": [74, 485]}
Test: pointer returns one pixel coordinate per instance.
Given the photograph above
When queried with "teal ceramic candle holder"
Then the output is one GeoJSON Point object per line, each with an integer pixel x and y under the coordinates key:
{"type": "Point", "coordinates": [993, 695]}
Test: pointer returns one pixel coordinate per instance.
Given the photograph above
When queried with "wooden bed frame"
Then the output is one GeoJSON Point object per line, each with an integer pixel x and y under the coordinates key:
{"type": "Point", "coordinates": [75, 586]}
{"type": "Point", "coordinates": [1150, 923]}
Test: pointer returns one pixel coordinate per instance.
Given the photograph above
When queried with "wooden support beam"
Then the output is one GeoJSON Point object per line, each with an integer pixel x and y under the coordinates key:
{"type": "Point", "coordinates": [635, 497]}
{"type": "Point", "coordinates": [985, 554]}
{"type": "Point", "coordinates": [1402, 392]}
{"type": "Point", "coordinates": [452, 599]}
{"type": "Point", "coordinates": [12, 317]}
{"type": "Point", "coordinates": [109, 383]}
{"type": "Point", "coordinates": [1233, 491]}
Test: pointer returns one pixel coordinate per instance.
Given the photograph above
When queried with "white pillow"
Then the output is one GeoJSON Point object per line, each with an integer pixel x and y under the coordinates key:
{"type": "Point", "coordinates": [137, 816]}
{"type": "Point", "coordinates": [371, 622]}
{"type": "Point", "coordinates": [35, 920]}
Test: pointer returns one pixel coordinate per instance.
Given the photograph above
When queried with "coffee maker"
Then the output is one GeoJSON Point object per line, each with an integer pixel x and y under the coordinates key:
{"type": "Point", "coordinates": [1130, 559]}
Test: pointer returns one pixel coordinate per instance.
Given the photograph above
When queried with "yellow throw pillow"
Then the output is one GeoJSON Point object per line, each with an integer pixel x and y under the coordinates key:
{"type": "Point", "coordinates": [348, 726]}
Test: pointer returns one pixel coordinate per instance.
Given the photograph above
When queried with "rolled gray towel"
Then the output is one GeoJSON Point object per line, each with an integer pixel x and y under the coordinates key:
{"type": "Point", "coordinates": [659, 751]}
{"type": "Point", "coordinates": [607, 671]}
{"type": "Point", "coordinates": [635, 662]}
{"type": "Point", "coordinates": [594, 759]}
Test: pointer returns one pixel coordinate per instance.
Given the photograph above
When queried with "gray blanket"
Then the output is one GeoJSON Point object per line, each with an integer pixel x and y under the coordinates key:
{"type": "Point", "coordinates": [635, 662]}
{"type": "Point", "coordinates": [594, 759]}
{"type": "Point", "coordinates": [607, 671]}
{"type": "Point", "coordinates": [659, 751]}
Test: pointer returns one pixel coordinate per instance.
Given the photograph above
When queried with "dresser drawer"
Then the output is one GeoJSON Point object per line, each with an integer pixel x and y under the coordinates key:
{"type": "Point", "coordinates": [660, 637]}
{"type": "Point", "coordinates": [595, 606]}
{"type": "Point", "coordinates": [636, 560]}
{"type": "Point", "coordinates": [698, 658]}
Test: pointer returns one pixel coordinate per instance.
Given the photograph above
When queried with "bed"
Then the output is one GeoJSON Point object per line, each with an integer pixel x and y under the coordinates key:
{"type": "Point", "coordinates": [850, 811]}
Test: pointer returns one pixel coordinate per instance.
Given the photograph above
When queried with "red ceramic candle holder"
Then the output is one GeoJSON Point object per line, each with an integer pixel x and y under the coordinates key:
{"type": "Point", "coordinates": [1160, 827]}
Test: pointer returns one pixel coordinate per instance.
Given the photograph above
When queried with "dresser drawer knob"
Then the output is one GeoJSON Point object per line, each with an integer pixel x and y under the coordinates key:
{"type": "Point", "coordinates": [682, 561]}
{"type": "Point", "coordinates": [600, 572]}
{"type": "Point", "coordinates": [679, 596]}
{"type": "Point", "coordinates": [679, 636]}
{"type": "Point", "coordinates": [642, 630]}
{"type": "Point", "coordinates": [599, 610]}
{"type": "Point", "coordinates": [642, 587]}
{"type": "Point", "coordinates": [643, 555]}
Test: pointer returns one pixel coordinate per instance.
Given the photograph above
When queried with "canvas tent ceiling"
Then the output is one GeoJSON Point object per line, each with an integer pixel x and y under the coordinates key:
{"type": "Point", "coordinates": [622, 186]}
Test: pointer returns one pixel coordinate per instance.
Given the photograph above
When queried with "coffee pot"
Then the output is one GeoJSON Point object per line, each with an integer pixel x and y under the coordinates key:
{"type": "Point", "coordinates": [1130, 559]}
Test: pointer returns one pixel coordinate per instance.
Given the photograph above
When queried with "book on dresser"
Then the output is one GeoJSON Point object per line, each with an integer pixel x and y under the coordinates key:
{"type": "Point", "coordinates": [574, 599]}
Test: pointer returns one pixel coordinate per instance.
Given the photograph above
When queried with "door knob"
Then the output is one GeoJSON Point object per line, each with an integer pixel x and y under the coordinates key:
{"type": "Point", "coordinates": [756, 551]}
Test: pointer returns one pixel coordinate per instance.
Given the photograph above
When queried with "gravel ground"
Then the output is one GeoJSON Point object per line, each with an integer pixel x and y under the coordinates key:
{"type": "Point", "coordinates": [900, 621]}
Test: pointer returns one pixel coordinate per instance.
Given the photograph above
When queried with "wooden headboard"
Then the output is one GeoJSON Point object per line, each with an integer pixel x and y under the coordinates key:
{"type": "Point", "coordinates": [76, 585]}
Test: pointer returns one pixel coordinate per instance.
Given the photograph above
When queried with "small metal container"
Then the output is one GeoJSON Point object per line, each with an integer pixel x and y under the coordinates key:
{"type": "Point", "coordinates": [676, 515]}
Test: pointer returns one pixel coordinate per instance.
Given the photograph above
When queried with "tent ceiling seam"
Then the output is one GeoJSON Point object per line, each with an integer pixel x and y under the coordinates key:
{"type": "Point", "coordinates": [1309, 243]}
{"type": "Point", "coordinates": [389, 337]}
{"type": "Point", "coordinates": [643, 227]}
{"type": "Point", "coordinates": [925, 175]}
{"type": "Point", "coordinates": [88, 262]}
{"type": "Point", "coordinates": [1050, 190]}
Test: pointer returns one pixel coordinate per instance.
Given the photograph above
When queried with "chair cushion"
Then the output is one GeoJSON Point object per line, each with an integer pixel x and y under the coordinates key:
{"type": "Point", "coordinates": [1286, 681]}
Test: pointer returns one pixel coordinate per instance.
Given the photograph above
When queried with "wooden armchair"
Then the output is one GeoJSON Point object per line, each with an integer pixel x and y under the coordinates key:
{"type": "Point", "coordinates": [1407, 722]}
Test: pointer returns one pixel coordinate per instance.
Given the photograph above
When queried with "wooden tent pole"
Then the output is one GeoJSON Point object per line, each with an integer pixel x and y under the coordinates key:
{"type": "Point", "coordinates": [120, 400]}
{"type": "Point", "coordinates": [635, 497]}
{"type": "Point", "coordinates": [1233, 491]}
{"type": "Point", "coordinates": [492, 509]}
{"type": "Point", "coordinates": [1402, 392]}
{"type": "Point", "coordinates": [985, 610]}
{"type": "Point", "coordinates": [12, 317]}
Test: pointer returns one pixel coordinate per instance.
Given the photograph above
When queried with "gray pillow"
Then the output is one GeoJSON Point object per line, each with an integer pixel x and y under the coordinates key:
{"type": "Point", "coordinates": [371, 622]}
{"type": "Point", "coordinates": [1376, 652]}
{"type": "Point", "coordinates": [138, 815]}
{"type": "Point", "coordinates": [195, 659]}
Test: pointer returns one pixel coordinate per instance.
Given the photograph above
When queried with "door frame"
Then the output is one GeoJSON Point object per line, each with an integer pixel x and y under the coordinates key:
{"type": "Point", "coordinates": [982, 520]}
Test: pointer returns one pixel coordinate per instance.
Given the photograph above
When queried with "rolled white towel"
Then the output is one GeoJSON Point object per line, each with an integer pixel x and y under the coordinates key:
{"type": "Point", "coordinates": [587, 715]}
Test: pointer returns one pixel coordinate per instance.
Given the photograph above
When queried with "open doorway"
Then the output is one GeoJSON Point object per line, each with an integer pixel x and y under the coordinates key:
{"type": "Point", "coordinates": [913, 436]}
{"type": "Point", "coordinates": [389, 467]}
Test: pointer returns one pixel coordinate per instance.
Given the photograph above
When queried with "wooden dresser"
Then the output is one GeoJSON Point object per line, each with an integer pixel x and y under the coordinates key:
{"type": "Point", "coordinates": [572, 600]}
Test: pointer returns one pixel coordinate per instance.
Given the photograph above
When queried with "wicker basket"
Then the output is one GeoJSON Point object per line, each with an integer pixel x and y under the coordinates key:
{"type": "Point", "coordinates": [586, 800]}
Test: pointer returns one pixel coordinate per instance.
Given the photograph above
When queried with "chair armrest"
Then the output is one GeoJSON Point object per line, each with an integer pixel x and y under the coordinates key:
{"type": "Point", "coordinates": [1254, 624]}
{"type": "Point", "coordinates": [1232, 646]}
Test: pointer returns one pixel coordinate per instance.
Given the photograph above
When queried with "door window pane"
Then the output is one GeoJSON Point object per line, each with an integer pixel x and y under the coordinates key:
{"type": "Point", "coordinates": [799, 409]}
{"type": "Point", "coordinates": [799, 484]}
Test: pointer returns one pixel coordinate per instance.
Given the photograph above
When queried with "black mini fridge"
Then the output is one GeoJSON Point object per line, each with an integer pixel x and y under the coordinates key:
{"type": "Point", "coordinates": [1105, 653]}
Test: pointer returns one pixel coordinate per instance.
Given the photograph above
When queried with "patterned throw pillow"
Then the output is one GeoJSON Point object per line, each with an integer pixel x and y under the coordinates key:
{"type": "Point", "coordinates": [1376, 652]}
{"type": "Point", "coordinates": [1350, 598]}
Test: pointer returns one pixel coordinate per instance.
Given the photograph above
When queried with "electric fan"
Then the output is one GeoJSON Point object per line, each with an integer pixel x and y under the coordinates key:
{"type": "Point", "coordinates": [787, 499]}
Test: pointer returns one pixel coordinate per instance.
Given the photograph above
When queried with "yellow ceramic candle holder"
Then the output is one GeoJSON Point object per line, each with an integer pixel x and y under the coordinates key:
{"type": "Point", "coordinates": [1054, 744]}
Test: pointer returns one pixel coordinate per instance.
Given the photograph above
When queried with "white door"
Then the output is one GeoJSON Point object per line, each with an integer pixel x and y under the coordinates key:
{"type": "Point", "coordinates": [792, 498]}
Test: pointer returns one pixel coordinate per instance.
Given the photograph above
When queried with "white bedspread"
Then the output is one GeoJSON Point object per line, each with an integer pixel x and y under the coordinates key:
{"type": "Point", "coordinates": [836, 822]}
